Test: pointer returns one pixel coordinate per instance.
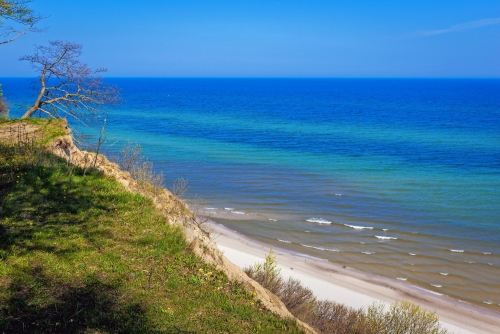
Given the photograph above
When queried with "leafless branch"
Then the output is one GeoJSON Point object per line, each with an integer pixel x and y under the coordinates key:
{"type": "Point", "coordinates": [71, 87]}
{"type": "Point", "coordinates": [23, 17]}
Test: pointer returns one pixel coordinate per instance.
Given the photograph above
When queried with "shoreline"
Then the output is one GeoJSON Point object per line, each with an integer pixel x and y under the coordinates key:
{"type": "Point", "coordinates": [353, 287]}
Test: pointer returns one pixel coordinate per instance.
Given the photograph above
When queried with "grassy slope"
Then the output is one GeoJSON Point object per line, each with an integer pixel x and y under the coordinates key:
{"type": "Point", "coordinates": [78, 253]}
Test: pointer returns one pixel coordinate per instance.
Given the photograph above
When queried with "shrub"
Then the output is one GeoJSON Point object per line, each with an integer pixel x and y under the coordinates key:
{"type": "Point", "coordinates": [331, 317]}
{"type": "Point", "coordinates": [267, 274]}
{"type": "Point", "coordinates": [404, 317]}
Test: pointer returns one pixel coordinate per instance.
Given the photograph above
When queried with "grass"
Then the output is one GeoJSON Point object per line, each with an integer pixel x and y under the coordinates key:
{"type": "Point", "coordinates": [80, 254]}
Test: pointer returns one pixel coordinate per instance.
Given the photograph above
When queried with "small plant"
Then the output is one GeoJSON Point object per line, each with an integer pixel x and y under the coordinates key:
{"type": "Point", "coordinates": [267, 274]}
{"type": "Point", "coordinates": [180, 187]}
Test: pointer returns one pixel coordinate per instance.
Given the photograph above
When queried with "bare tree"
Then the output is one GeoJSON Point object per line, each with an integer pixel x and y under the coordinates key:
{"type": "Point", "coordinates": [23, 18]}
{"type": "Point", "coordinates": [68, 86]}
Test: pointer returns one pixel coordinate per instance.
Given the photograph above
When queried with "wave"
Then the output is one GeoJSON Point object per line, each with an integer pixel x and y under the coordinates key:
{"type": "Point", "coordinates": [385, 238]}
{"type": "Point", "coordinates": [401, 279]}
{"type": "Point", "coordinates": [273, 220]}
{"type": "Point", "coordinates": [437, 285]}
{"type": "Point", "coordinates": [318, 220]}
{"type": "Point", "coordinates": [486, 253]}
{"type": "Point", "coordinates": [238, 212]}
{"type": "Point", "coordinates": [457, 250]}
{"type": "Point", "coordinates": [210, 208]}
{"type": "Point", "coordinates": [359, 227]}
{"type": "Point", "coordinates": [229, 209]}
{"type": "Point", "coordinates": [489, 302]}
{"type": "Point", "coordinates": [445, 274]}
{"type": "Point", "coordinates": [412, 254]}
{"type": "Point", "coordinates": [321, 248]}
{"type": "Point", "coordinates": [434, 292]}
{"type": "Point", "coordinates": [285, 241]}
{"type": "Point", "coordinates": [368, 253]}
{"type": "Point", "coordinates": [386, 229]}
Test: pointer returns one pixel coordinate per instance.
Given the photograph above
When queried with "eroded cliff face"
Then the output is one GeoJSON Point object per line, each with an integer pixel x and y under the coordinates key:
{"type": "Point", "coordinates": [176, 213]}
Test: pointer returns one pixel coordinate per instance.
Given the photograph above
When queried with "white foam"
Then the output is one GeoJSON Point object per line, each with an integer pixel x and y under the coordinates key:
{"type": "Point", "coordinates": [437, 285]}
{"type": "Point", "coordinates": [490, 264]}
{"type": "Point", "coordinates": [238, 212]}
{"type": "Point", "coordinates": [229, 209]}
{"type": "Point", "coordinates": [273, 220]}
{"type": "Point", "coordinates": [434, 292]}
{"type": "Point", "coordinates": [362, 243]}
{"type": "Point", "coordinates": [338, 194]}
{"type": "Point", "coordinates": [210, 208]}
{"type": "Point", "coordinates": [412, 254]}
{"type": "Point", "coordinates": [285, 241]}
{"type": "Point", "coordinates": [486, 253]}
{"type": "Point", "coordinates": [307, 231]}
{"type": "Point", "coordinates": [470, 261]}
{"type": "Point", "coordinates": [401, 279]}
{"type": "Point", "coordinates": [318, 220]}
{"type": "Point", "coordinates": [457, 250]}
{"type": "Point", "coordinates": [445, 274]}
{"type": "Point", "coordinates": [368, 253]}
{"type": "Point", "coordinates": [321, 248]}
{"type": "Point", "coordinates": [385, 238]}
{"type": "Point", "coordinates": [386, 229]}
{"type": "Point", "coordinates": [359, 227]}
{"type": "Point", "coordinates": [489, 302]}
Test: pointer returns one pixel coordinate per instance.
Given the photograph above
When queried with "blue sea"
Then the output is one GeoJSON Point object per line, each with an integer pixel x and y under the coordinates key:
{"type": "Point", "coordinates": [395, 177]}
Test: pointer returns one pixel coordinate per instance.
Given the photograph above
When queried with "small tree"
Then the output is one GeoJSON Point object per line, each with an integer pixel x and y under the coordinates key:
{"type": "Point", "coordinates": [67, 86]}
{"type": "Point", "coordinates": [4, 110]}
{"type": "Point", "coordinates": [23, 18]}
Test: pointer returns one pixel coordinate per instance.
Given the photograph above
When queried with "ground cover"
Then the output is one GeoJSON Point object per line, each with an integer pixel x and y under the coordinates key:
{"type": "Point", "coordinates": [79, 253]}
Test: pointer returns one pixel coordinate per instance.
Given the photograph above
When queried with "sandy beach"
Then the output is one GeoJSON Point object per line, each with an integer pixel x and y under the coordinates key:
{"type": "Point", "coordinates": [355, 288]}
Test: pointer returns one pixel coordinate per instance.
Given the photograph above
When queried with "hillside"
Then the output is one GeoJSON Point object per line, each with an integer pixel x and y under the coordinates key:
{"type": "Point", "coordinates": [85, 248]}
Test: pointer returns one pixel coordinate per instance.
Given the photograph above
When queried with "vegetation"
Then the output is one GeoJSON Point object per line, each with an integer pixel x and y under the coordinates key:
{"type": "Point", "coordinates": [19, 14]}
{"type": "Point", "coordinates": [67, 86]}
{"type": "Point", "coordinates": [81, 254]}
{"type": "Point", "coordinates": [330, 317]}
{"type": "Point", "coordinates": [4, 109]}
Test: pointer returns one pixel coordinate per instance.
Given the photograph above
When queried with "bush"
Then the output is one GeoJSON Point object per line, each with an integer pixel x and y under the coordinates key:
{"type": "Point", "coordinates": [404, 317]}
{"type": "Point", "coordinates": [331, 317]}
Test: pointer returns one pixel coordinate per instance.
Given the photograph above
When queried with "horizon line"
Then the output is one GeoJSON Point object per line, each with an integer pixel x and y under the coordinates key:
{"type": "Point", "coordinates": [273, 77]}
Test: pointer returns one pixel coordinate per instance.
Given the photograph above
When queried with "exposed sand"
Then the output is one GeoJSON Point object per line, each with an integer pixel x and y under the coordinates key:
{"type": "Point", "coordinates": [354, 288]}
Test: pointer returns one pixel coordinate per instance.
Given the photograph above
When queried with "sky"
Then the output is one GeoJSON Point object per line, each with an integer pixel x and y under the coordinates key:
{"type": "Point", "coordinates": [255, 38]}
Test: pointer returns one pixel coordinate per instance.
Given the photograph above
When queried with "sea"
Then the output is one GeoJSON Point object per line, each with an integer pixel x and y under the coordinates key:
{"type": "Point", "coordinates": [394, 177]}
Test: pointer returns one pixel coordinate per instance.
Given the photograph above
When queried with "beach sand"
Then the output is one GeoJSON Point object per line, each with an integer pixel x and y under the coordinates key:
{"type": "Point", "coordinates": [354, 288]}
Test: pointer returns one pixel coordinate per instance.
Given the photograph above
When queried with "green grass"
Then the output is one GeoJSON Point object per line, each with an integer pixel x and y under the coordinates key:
{"type": "Point", "coordinates": [80, 254]}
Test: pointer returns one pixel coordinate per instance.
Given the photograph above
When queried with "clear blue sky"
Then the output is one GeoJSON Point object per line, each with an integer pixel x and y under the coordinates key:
{"type": "Point", "coordinates": [254, 38]}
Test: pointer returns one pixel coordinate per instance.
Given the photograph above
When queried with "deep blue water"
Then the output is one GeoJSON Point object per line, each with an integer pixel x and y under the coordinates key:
{"type": "Point", "coordinates": [412, 159]}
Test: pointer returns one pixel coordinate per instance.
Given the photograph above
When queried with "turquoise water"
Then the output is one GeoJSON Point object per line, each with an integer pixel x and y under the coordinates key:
{"type": "Point", "coordinates": [399, 178]}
